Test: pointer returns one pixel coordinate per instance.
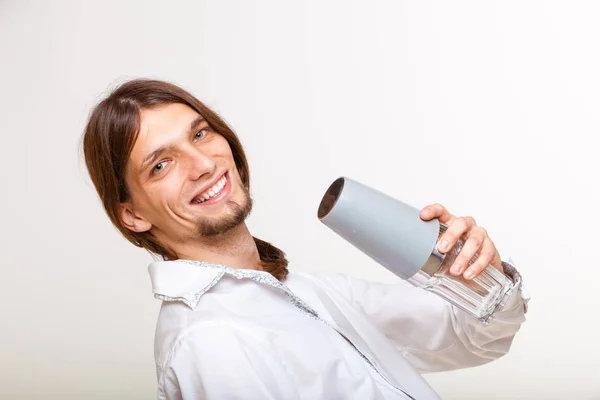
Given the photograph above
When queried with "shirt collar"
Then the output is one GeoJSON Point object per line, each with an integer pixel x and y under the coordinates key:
{"type": "Point", "coordinates": [187, 280]}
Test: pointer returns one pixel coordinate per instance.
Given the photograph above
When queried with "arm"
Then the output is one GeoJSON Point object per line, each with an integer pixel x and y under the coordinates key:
{"type": "Point", "coordinates": [432, 334]}
{"type": "Point", "coordinates": [213, 360]}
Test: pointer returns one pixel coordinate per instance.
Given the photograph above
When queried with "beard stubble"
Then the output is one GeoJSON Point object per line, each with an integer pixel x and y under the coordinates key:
{"type": "Point", "coordinates": [210, 228]}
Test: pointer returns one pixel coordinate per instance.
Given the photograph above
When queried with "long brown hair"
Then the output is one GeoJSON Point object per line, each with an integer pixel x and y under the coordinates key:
{"type": "Point", "coordinates": [110, 135]}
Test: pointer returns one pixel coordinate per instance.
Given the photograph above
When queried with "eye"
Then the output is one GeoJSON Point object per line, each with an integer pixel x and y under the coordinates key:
{"type": "Point", "coordinates": [158, 167]}
{"type": "Point", "coordinates": [200, 134]}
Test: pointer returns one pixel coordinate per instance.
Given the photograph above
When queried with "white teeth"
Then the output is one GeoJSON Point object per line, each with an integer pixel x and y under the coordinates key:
{"type": "Point", "coordinates": [213, 191]}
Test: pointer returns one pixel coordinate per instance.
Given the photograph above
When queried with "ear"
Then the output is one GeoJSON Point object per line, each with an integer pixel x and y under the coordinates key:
{"type": "Point", "coordinates": [132, 221]}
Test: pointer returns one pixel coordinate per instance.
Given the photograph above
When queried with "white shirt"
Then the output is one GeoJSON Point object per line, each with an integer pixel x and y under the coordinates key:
{"type": "Point", "coordinates": [227, 333]}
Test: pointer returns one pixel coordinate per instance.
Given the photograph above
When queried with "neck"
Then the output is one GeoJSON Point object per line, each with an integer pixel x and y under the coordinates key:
{"type": "Point", "coordinates": [235, 249]}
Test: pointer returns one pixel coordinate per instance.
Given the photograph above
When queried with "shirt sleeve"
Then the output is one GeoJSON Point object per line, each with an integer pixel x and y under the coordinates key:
{"type": "Point", "coordinates": [217, 361]}
{"type": "Point", "coordinates": [431, 333]}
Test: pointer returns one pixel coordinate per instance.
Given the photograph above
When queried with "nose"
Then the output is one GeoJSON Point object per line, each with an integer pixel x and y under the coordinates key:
{"type": "Point", "coordinates": [198, 164]}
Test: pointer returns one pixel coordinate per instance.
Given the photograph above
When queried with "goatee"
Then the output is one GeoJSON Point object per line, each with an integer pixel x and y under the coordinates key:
{"type": "Point", "coordinates": [237, 213]}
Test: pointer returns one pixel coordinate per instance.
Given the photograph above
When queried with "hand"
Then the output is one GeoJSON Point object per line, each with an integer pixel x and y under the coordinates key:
{"type": "Point", "coordinates": [475, 237]}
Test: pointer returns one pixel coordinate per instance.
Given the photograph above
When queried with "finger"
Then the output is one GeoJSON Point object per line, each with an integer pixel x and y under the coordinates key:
{"type": "Point", "coordinates": [472, 245]}
{"type": "Point", "coordinates": [456, 229]}
{"type": "Point", "coordinates": [486, 257]}
{"type": "Point", "coordinates": [496, 259]}
{"type": "Point", "coordinates": [437, 211]}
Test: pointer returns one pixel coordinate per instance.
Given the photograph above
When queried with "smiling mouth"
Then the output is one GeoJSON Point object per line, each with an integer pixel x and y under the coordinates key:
{"type": "Point", "coordinates": [211, 192]}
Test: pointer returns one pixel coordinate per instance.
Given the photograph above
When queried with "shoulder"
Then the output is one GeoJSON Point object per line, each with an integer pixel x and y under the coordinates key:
{"type": "Point", "coordinates": [325, 280]}
{"type": "Point", "coordinates": [173, 319]}
{"type": "Point", "coordinates": [182, 332]}
{"type": "Point", "coordinates": [365, 295]}
{"type": "Point", "coordinates": [210, 338]}
{"type": "Point", "coordinates": [220, 359]}
{"type": "Point", "coordinates": [344, 284]}
{"type": "Point", "coordinates": [311, 276]}
{"type": "Point", "coordinates": [175, 322]}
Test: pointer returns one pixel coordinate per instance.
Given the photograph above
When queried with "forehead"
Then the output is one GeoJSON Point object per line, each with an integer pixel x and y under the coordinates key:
{"type": "Point", "coordinates": [160, 126]}
{"type": "Point", "coordinates": [165, 121]}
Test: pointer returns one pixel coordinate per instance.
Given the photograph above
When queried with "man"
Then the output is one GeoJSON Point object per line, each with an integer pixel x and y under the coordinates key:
{"type": "Point", "coordinates": [235, 323]}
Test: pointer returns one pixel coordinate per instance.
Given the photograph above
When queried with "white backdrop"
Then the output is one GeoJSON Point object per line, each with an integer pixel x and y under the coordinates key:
{"type": "Point", "coordinates": [489, 107]}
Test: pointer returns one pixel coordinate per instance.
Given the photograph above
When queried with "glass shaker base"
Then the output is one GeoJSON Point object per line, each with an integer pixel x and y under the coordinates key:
{"type": "Point", "coordinates": [480, 297]}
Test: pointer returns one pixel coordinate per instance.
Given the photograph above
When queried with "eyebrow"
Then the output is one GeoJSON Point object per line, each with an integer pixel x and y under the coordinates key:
{"type": "Point", "coordinates": [150, 158]}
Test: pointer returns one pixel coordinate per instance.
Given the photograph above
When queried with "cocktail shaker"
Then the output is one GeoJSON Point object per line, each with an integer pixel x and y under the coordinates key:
{"type": "Point", "coordinates": [392, 233]}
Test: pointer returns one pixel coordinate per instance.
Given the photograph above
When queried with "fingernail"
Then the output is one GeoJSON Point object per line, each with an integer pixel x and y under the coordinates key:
{"type": "Point", "coordinates": [443, 245]}
{"type": "Point", "coordinates": [469, 274]}
{"type": "Point", "coordinates": [455, 269]}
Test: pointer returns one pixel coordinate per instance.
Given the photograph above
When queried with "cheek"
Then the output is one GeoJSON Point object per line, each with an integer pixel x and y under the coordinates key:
{"type": "Point", "coordinates": [161, 195]}
{"type": "Point", "coordinates": [168, 193]}
{"type": "Point", "coordinates": [222, 149]}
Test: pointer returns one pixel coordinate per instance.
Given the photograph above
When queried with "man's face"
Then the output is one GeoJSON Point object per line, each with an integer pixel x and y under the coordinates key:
{"type": "Point", "coordinates": [182, 178]}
